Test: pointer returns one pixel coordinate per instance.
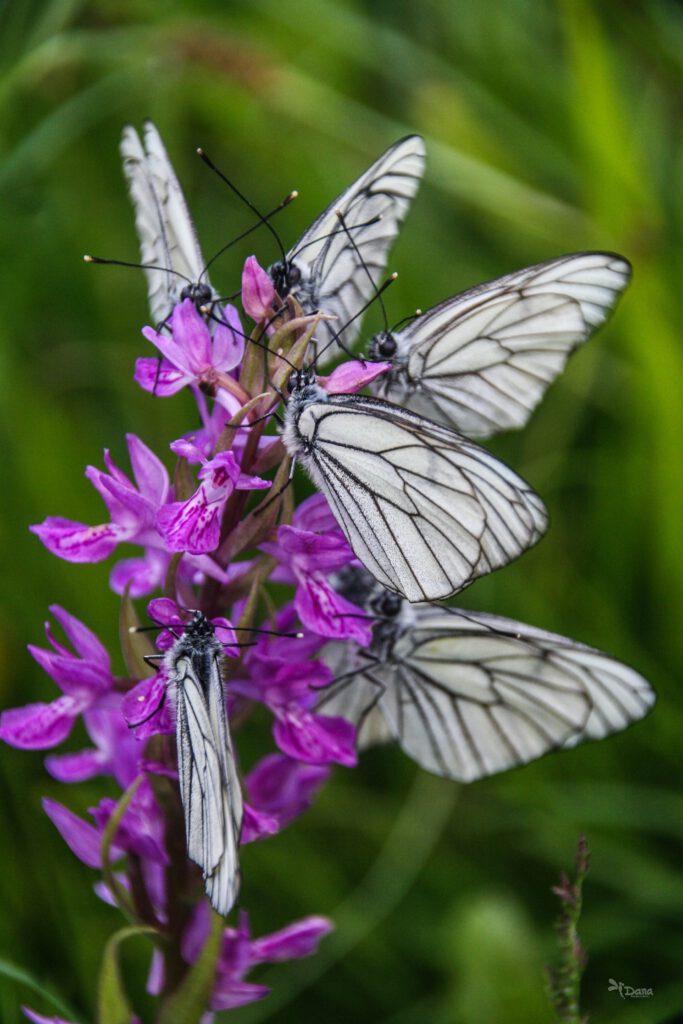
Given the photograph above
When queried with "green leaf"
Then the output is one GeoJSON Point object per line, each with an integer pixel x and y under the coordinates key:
{"type": "Point", "coordinates": [122, 897]}
{"type": "Point", "coordinates": [112, 1003]}
{"type": "Point", "coordinates": [24, 977]}
{"type": "Point", "coordinates": [190, 1001]}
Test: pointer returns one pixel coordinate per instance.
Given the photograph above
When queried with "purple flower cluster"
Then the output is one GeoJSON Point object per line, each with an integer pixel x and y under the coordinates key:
{"type": "Point", "coordinates": [202, 542]}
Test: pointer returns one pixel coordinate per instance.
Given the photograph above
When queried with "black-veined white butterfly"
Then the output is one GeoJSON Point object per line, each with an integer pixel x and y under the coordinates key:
{"type": "Point", "coordinates": [336, 269]}
{"type": "Point", "coordinates": [209, 787]}
{"type": "Point", "coordinates": [481, 361]}
{"type": "Point", "coordinates": [466, 694]}
{"type": "Point", "coordinates": [425, 510]}
{"type": "Point", "coordinates": [169, 248]}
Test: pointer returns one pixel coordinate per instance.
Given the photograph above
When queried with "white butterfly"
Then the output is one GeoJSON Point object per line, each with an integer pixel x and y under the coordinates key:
{"type": "Point", "coordinates": [169, 248]}
{"type": "Point", "coordinates": [336, 271]}
{"type": "Point", "coordinates": [481, 361]}
{"type": "Point", "coordinates": [209, 787]}
{"type": "Point", "coordinates": [425, 510]}
{"type": "Point", "coordinates": [466, 694]}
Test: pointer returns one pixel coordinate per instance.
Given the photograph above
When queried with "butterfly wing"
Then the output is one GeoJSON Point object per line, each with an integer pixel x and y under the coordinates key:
{"type": "Point", "coordinates": [481, 361]}
{"type": "Point", "coordinates": [618, 694]}
{"type": "Point", "coordinates": [209, 788]}
{"type": "Point", "coordinates": [341, 272]}
{"type": "Point", "coordinates": [167, 236]}
{"type": "Point", "coordinates": [425, 510]}
{"type": "Point", "coordinates": [467, 695]}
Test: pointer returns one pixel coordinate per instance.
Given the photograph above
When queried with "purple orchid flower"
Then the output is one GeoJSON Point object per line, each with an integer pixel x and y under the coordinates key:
{"type": "Point", "coordinates": [194, 355]}
{"type": "Point", "coordinates": [195, 525]}
{"type": "Point", "coordinates": [240, 954]}
{"type": "Point", "coordinates": [308, 551]}
{"type": "Point", "coordinates": [284, 788]}
{"type": "Point", "coordinates": [288, 688]}
{"type": "Point", "coordinates": [132, 507]}
{"type": "Point", "coordinates": [85, 680]}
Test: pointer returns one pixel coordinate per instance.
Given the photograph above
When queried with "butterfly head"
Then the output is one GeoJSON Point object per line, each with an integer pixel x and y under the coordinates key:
{"type": "Point", "coordinates": [293, 277]}
{"type": "Point", "coordinates": [386, 604]}
{"type": "Point", "coordinates": [303, 386]}
{"type": "Point", "coordinates": [383, 346]}
{"type": "Point", "coordinates": [200, 294]}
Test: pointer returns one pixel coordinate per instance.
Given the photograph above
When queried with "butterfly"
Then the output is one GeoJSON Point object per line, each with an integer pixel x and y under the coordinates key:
{"type": "Point", "coordinates": [209, 787]}
{"type": "Point", "coordinates": [169, 248]}
{"type": "Point", "coordinates": [481, 361]}
{"type": "Point", "coordinates": [335, 267]}
{"type": "Point", "coordinates": [466, 694]}
{"type": "Point", "coordinates": [425, 510]}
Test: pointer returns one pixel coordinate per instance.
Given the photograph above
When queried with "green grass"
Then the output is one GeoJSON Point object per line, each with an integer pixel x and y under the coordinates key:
{"type": "Point", "coordinates": [550, 127]}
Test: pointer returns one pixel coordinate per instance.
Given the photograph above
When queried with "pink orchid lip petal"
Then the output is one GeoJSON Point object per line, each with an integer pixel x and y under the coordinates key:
{"type": "Point", "coordinates": [352, 376]}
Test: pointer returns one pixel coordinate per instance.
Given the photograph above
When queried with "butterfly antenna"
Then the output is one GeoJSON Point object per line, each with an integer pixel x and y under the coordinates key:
{"type": "Point", "coordinates": [285, 202]}
{"type": "Point", "coordinates": [252, 341]}
{"type": "Point", "coordinates": [263, 220]}
{"type": "Point", "coordinates": [134, 266]}
{"type": "Point", "coordinates": [378, 292]}
{"type": "Point", "coordinates": [331, 234]}
{"type": "Point", "coordinates": [363, 264]}
{"type": "Point", "coordinates": [405, 320]}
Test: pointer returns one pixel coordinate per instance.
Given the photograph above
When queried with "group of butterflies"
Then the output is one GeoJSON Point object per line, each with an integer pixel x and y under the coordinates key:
{"type": "Point", "coordinates": [425, 509]}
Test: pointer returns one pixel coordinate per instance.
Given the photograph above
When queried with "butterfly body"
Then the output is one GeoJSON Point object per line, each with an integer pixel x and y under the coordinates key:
{"type": "Point", "coordinates": [209, 787]}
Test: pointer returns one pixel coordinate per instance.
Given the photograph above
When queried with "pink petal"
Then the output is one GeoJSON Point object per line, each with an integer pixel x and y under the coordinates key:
{"type": "Point", "coordinates": [39, 726]}
{"type": "Point", "coordinates": [352, 376]}
{"type": "Point", "coordinates": [293, 942]}
{"type": "Point", "coordinates": [316, 739]}
{"type": "Point", "coordinates": [78, 678]}
{"type": "Point", "coordinates": [191, 336]}
{"type": "Point", "coordinates": [84, 641]}
{"type": "Point", "coordinates": [83, 839]}
{"type": "Point", "coordinates": [76, 542]}
{"type": "Point", "coordinates": [257, 825]}
{"type": "Point", "coordinates": [160, 378]}
{"type": "Point", "coordinates": [328, 614]}
{"type": "Point", "coordinates": [228, 341]}
{"type": "Point", "coordinates": [229, 994]}
{"type": "Point", "coordinates": [39, 1018]}
{"type": "Point", "coordinates": [149, 471]}
{"type": "Point", "coordinates": [258, 293]}
{"type": "Point", "coordinates": [283, 787]}
{"type": "Point", "coordinates": [86, 764]}
{"type": "Point", "coordinates": [140, 575]}
{"type": "Point", "coordinates": [146, 708]}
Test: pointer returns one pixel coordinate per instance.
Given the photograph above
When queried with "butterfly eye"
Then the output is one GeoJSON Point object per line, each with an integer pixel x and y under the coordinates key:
{"type": "Point", "coordinates": [293, 275]}
{"type": "Point", "coordinates": [387, 604]}
{"type": "Point", "coordinates": [386, 346]}
{"type": "Point", "coordinates": [291, 383]}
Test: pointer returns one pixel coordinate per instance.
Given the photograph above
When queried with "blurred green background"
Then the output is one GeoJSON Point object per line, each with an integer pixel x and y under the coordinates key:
{"type": "Point", "coordinates": [550, 127]}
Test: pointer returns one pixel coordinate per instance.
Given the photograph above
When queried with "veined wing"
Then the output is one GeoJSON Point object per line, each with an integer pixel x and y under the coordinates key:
{"type": "Point", "coordinates": [425, 510]}
{"type": "Point", "coordinates": [481, 361]}
{"type": "Point", "coordinates": [618, 694]}
{"type": "Point", "coordinates": [340, 272]}
{"type": "Point", "coordinates": [167, 236]}
{"type": "Point", "coordinates": [467, 694]}
{"type": "Point", "coordinates": [210, 791]}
